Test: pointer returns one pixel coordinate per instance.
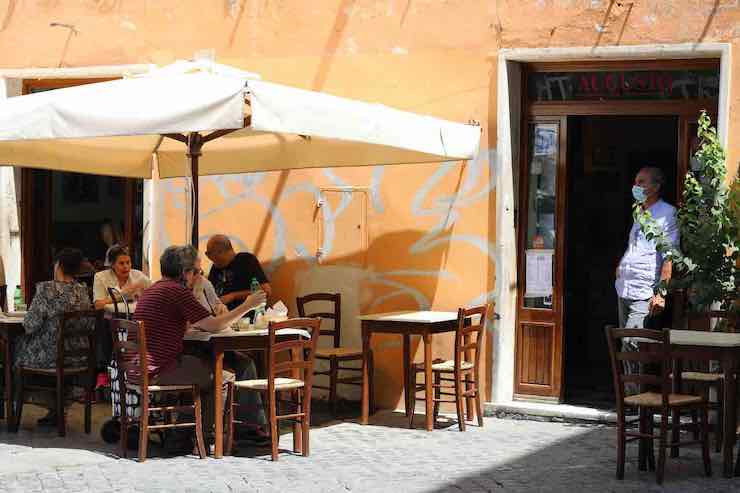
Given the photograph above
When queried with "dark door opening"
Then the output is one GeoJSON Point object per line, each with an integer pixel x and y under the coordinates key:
{"type": "Point", "coordinates": [62, 209]}
{"type": "Point", "coordinates": [604, 155]}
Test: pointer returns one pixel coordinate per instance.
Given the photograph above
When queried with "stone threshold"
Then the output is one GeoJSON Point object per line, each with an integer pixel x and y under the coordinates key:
{"type": "Point", "coordinates": [549, 411]}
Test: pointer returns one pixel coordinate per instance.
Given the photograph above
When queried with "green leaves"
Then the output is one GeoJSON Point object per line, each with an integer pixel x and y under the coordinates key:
{"type": "Point", "coordinates": [708, 223]}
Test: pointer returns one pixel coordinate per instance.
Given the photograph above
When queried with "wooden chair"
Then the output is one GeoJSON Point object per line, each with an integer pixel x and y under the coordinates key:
{"type": "Point", "coordinates": [336, 355]}
{"type": "Point", "coordinates": [70, 364]}
{"type": "Point", "coordinates": [300, 358]}
{"type": "Point", "coordinates": [130, 351]}
{"type": "Point", "coordinates": [461, 374]}
{"type": "Point", "coordinates": [119, 299]}
{"type": "Point", "coordinates": [648, 403]}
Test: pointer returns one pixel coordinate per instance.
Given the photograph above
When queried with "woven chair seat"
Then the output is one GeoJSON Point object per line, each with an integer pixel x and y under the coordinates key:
{"type": "Point", "coordinates": [338, 351]}
{"type": "Point", "coordinates": [160, 388]}
{"type": "Point", "coordinates": [701, 376]}
{"type": "Point", "coordinates": [447, 366]}
{"type": "Point", "coordinates": [654, 399]}
{"type": "Point", "coordinates": [261, 384]}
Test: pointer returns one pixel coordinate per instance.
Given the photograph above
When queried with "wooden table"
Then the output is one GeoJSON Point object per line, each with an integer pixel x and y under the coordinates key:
{"type": "Point", "coordinates": [698, 345]}
{"type": "Point", "coordinates": [725, 347]}
{"type": "Point", "coordinates": [406, 323]}
{"type": "Point", "coordinates": [230, 340]}
{"type": "Point", "coordinates": [10, 328]}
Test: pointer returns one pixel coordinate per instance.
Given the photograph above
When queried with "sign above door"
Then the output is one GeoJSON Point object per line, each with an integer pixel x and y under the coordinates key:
{"type": "Point", "coordinates": [610, 85]}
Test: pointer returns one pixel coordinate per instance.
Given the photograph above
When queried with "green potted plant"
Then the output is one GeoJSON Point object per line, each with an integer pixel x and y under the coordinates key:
{"type": "Point", "coordinates": [707, 266]}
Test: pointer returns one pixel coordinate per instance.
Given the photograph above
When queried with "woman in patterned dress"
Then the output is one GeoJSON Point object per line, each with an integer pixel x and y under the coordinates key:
{"type": "Point", "coordinates": [37, 348]}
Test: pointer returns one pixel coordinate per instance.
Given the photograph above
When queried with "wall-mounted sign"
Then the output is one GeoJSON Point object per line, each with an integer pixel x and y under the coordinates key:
{"type": "Point", "coordinates": [624, 85]}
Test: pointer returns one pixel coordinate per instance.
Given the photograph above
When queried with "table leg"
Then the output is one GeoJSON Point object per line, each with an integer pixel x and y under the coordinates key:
{"type": "Point", "coordinates": [676, 415]}
{"type": "Point", "coordinates": [218, 415]}
{"type": "Point", "coordinates": [429, 418]}
{"type": "Point", "coordinates": [730, 419]}
{"type": "Point", "coordinates": [406, 374]}
{"type": "Point", "coordinates": [366, 333]}
{"type": "Point", "coordinates": [10, 417]}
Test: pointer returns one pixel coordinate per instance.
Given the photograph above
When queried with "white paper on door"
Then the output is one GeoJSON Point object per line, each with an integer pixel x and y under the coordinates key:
{"type": "Point", "coordinates": [538, 273]}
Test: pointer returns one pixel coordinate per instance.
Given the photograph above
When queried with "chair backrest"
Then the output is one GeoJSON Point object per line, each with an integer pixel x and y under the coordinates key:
{"type": "Point", "coordinates": [300, 351]}
{"type": "Point", "coordinates": [116, 295]}
{"type": "Point", "coordinates": [75, 325]}
{"type": "Point", "coordinates": [335, 316]}
{"type": "Point", "coordinates": [469, 336]}
{"type": "Point", "coordinates": [130, 352]}
{"type": "Point", "coordinates": [655, 360]}
{"type": "Point", "coordinates": [703, 320]}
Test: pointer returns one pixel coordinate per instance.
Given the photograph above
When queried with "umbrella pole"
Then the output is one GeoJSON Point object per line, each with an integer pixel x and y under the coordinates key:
{"type": "Point", "coordinates": [195, 144]}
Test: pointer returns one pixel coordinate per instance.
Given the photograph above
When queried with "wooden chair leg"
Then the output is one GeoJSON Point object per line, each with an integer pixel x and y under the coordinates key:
{"type": "Point", "coordinates": [61, 425]}
{"type": "Point", "coordinates": [333, 371]}
{"type": "Point", "coordinates": [719, 424]}
{"type": "Point", "coordinates": [621, 444]}
{"type": "Point", "coordinates": [437, 395]}
{"type": "Point", "coordinates": [298, 424]}
{"type": "Point", "coordinates": [371, 373]}
{"type": "Point", "coordinates": [469, 401]}
{"type": "Point", "coordinates": [197, 405]}
{"type": "Point", "coordinates": [306, 424]}
{"type": "Point", "coordinates": [705, 441]}
{"type": "Point", "coordinates": [412, 397]}
{"type": "Point", "coordinates": [229, 418]}
{"type": "Point", "coordinates": [478, 404]}
{"type": "Point", "coordinates": [274, 428]}
{"type": "Point", "coordinates": [19, 398]}
{"type": "Point", "coordinates": [89, 392]}
{"type": "Point", "coordinates": [459, 399]}
{"type": "Point", "coordinates": [663, 446]}
{"type": "Point", "coordinates": [143, 431]}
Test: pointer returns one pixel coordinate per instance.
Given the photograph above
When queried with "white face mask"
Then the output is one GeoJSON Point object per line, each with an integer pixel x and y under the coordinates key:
{"type": "Point", "coordinates": [638, 193]}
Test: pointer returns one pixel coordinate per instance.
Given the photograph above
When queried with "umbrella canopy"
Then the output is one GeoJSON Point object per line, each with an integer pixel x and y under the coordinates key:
{"type": "Point", "coordinates": [230, 121]}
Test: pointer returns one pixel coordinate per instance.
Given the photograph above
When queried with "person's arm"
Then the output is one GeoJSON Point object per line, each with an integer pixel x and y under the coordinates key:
{"type": "Point", "coordinates": [219, 322]}
{"type": "Point", "coordinates": [37, 313]}
{"type": "Point", "coordinates": [657, 302]}
{"type": "Point", "coordinates": [100, 294]}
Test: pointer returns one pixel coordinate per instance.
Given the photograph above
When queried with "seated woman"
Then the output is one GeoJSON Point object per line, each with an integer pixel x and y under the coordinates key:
{"type": "Point", "coordinates": [130, 282]}
{"type": "Point", "coordinates": [38, 346]}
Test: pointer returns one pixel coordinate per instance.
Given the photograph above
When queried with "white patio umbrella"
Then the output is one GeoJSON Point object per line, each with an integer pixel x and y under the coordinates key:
{"type": "Point", "coordinates": [115, 128]}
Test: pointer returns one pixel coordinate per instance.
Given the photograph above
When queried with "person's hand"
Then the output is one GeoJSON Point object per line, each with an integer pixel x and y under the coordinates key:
{"type": "Point", "coordinates": [227, 298]}
{"type": "Point", "coordinates": [657, 304]}
{"type": "Point", "coordinates": [256, 299]}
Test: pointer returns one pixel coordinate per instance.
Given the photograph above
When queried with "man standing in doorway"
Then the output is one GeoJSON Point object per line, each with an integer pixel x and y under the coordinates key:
{"type": "Point", "coordinates": [642, 267]}
{"type": "Point", "coordinates": [232, 273]}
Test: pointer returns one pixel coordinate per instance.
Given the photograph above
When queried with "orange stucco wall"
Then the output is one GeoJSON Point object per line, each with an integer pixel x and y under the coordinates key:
{"type": "Point", "coordinates": [430, 228]}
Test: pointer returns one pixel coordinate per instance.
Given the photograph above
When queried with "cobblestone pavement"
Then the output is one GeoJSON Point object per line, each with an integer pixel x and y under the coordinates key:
{"type": "Point", "coordinates": [505, 455]}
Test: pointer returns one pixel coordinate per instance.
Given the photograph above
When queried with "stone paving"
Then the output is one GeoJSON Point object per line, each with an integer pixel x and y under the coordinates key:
{"type": "Point", "coordinates": [505, 455]}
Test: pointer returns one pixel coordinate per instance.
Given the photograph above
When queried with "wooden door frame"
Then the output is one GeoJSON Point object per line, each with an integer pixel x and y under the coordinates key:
{"type": "Point", "coordinates": [536, 111]}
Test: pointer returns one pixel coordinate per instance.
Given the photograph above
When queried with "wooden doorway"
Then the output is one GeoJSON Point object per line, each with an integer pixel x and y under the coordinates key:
{"type": "Point", "coordinates": [558, 100]}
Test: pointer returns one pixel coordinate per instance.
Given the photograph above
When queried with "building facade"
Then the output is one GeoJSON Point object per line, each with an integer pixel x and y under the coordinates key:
{"type": "Point", "coordinates": [573, 96]}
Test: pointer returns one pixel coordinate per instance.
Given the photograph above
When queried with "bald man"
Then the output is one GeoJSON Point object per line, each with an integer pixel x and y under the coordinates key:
{"type": "Point", "coordinates": [232, 273]}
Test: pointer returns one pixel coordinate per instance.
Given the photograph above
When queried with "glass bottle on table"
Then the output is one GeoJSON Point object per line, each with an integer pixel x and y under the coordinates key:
{"type": "Point", "coordinates": [259, 312]}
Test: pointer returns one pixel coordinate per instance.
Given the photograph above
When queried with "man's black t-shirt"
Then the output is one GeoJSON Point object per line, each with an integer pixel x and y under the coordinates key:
{"type": "Point", "coordinates": [237, 276]}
